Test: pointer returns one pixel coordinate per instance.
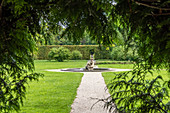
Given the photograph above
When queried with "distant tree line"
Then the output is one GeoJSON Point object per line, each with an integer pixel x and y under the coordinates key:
{"type": "Point", "coordinates": [48, 38]}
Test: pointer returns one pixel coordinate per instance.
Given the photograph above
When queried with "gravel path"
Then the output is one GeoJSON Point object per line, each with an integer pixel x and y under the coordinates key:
{"type": "Point", "coordinates": [91, 89]}
{"type": "Point", "coordinates": [92, 86]}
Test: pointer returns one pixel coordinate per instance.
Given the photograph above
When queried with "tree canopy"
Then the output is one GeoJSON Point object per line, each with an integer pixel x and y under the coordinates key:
{"type": "Point", "coordinates": [145, 24]}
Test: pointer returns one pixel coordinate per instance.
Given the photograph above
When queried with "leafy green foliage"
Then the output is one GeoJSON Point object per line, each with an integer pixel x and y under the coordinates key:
{"type": "Point", "coordinates": [148, 28]}
{"type": "Point", "coordinates": [85, 14]}
{"type": "Point", "coordinates": [100, 53]}
{"type": "Point", "coordinates": [60, 54]}
{"type": "Point", "coordinates": [119, 53]}
{"type": "Point", "coordinates": [16, 68]}
{"type": "Point", "coordinates": [76, 55]}
{"type": "Point", "coordinates": [51, 54]}
{"type": "Point", "coordinates": [136, 94]}
{"type": "Point", "coordinates": [17, 46]}
{"type": "Point", "coordinates": [49, 38]}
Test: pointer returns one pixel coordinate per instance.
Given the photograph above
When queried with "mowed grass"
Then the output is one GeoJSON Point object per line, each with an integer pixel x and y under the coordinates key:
{"type": "Point", "coordinates": [41, 65]}
{"type": "Point", "coordinates": [56, 91]}
{"type": "Point", "coordinates": [108, 76]}
{"type": "Point", "coordinates": [119, 66]}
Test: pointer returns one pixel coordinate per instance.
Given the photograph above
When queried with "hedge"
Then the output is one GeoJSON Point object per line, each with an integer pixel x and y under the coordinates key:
{"type": "Point", "coordinates": [102, 53]}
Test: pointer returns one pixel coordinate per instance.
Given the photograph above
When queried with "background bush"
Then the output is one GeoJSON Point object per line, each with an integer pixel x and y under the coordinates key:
{"type": "Point", "coordinates": [52, 53]}
{"type": "Point", "coordinates": [102, 53]}
{"type": "Point", "coordinates": [76, 55]}
{"type": "Point", "coordinates": [60, 54]}
{"type": "Point", "coordinates": [118, 53]}
{"type": "Point", "coordinates": [114, 53]}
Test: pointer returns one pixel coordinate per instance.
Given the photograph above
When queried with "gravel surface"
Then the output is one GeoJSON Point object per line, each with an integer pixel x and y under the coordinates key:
{"type": "Point", "coordinates": [91, 89]}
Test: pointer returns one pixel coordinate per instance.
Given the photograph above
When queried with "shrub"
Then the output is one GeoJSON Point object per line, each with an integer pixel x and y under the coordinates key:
{"type": "Point", "coordinates": [132, 55]}
{"type": "Point", "coordinates": [59, 54]}
{"type": "Point", "coordinates": [118, 53]}
{"type": "Point", "coordinates": [51, 54]}
{"type": "Point", "coordinates": [76, 55]}
{"type": "Point", "coordinates": [84, 49]}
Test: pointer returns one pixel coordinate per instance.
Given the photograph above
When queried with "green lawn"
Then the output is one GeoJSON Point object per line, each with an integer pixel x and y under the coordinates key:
{"type": "Point", "coordinates": [56, 91]}
{"type": "Point", "coordinates": [45, 64]}
{"type": "Point", "coordinates": [120, 66]}
{"type": "Point", "coordinates": [109, 75]}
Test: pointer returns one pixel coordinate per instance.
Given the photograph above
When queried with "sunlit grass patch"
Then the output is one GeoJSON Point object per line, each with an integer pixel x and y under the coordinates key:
{"type": "Point", "coordinates": [56, 91]}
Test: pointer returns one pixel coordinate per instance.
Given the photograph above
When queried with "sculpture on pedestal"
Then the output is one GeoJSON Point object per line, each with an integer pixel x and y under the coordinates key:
{"type": "Point", "coordinates": [90, 63]}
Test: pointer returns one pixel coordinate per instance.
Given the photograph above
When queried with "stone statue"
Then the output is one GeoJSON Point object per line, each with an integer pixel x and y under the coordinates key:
{"type": "Point", "coordinates": [90, 64]}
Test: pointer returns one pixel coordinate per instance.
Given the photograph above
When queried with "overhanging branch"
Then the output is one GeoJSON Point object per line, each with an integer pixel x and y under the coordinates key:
{"type": "Point", "coordinates": [154, 7]}
{"type": "Point", "coordinates": [160, 14]}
